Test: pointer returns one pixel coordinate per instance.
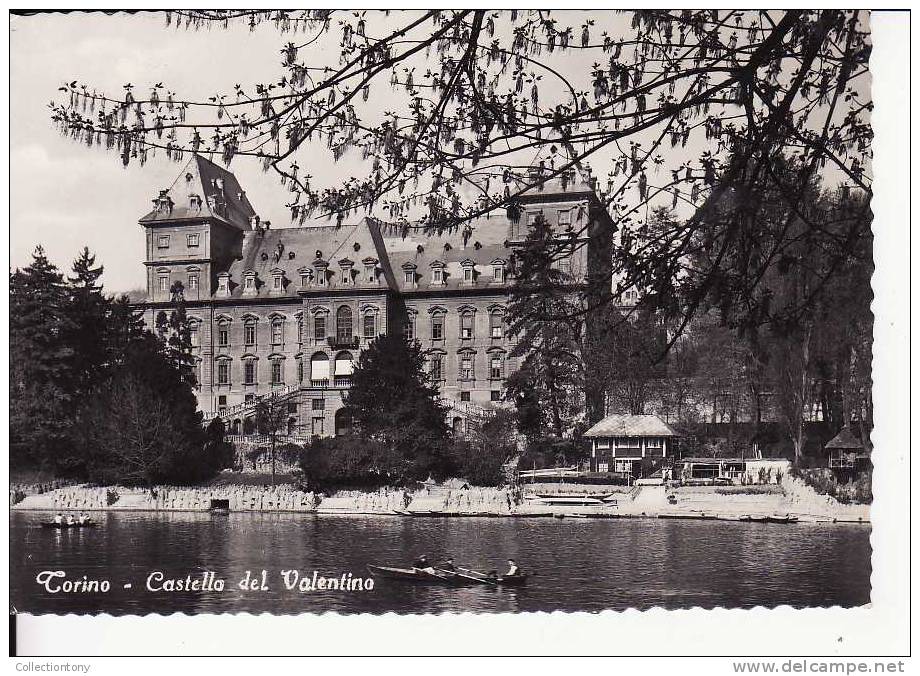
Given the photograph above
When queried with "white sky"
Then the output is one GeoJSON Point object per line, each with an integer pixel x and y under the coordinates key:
{"type": "Point", "coordinates": [64, 195]}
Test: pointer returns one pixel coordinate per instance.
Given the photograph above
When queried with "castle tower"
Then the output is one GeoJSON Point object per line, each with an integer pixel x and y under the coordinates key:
{"type": "Point", "coordinates": [195, 230]}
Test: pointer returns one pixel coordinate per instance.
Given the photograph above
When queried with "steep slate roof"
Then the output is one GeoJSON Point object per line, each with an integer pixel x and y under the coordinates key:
{"type": "Point", "coordinates": [845, 439]}
{"type": "Point", "coordinates": [335, 243]}
{"type": "Point", "coordinates": [198, 177]}
{"type": "Point", "coordinates": [422, 248]}
{"type": "Point", "coordinates": [631, 426]}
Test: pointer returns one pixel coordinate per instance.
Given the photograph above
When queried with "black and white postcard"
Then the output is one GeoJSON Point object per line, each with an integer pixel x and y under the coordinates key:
{"type": "Point", "coordinates": [441, 312]}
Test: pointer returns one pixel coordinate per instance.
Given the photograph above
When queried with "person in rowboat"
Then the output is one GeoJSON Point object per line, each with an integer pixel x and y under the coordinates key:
{"type": "Point", "coordinates": [421, 562]}
{"type": "Point", "coordinates": [513, 569]}
{"type": "Point", "coordinates": [448, 564]}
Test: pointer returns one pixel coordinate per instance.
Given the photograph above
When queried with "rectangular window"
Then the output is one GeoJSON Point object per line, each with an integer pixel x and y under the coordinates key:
{"type": "Point", "coordinates": [467, 274]}
{"type": "Point", "coordinates": [319, 404]}
{"type": "Point", "coordinates": [276, 282]}
{"type": "Point", "coordinates": [250, 283]}
{"type": "Point", "coordinates": [318, 427]}
{"type": "Point", "coordinates": [277, 373]}
{"type": "Point", "coordinates": [498, 273]}
{"type": "Point", "coordinates": [223, 336]}
{"type": "Point", "coordinates": [321, 278]}
{"type": "Point", "coordinates": [193, 282]}
{"type": "Point", "coordinates": [410, 328]}
{"type": "Point", "coordinates": [437, 327]}
{"type": "Point", "coordinates": [300, 370]}
{"type": "Point", "coordinates": [249, 372]}
{"type": "Point", "coordinates": [222, 403]}
{"type": "Point", "coordinates": [193, 334]}
{"type": "Point", "coordinates": [410, 277]}
{"type": "Point", "coordinates": [223, 373]}
{"type": "Point", "coordinates": [438, 275]}
{"type": "Point", "coordinates": [495, 368]}
{"type": "Point", "coordinates": [163, 241]}
{"type": "Point", "coordinates": [496, 395]}
{"type": "Point", "coordinates": [466, 368]}
{"type": "Point", "coordinates": [277, 332]}
{"type": "Point", "coordinates": [191, 240]}
{"type": "Point", "coordinates": [319, 327]}
{"type": "Point", "coordinates": [495, 325]}
{"type": "Point", "coordinates": [300, 329]}
{"type": "Point", "coordinates": [222, 284]}
{"type": "Point", "coordinates": [602, 466]}
{"type": "Point", "coordinates": [464, 396]}
{"type": "Point", "coordinates": [565, 217]}
{"type": "Point", "coordinates": [437, 369]}
{"type": "Point", "coordinates": [369, 274]}
{"type": "Point", "coordinates": [466, 325]}
{"type": "Point", "coordinates": [370, 326]}
{"type": "Point", "coordinates": [249, 334]}
{"type": "Point", "coordinates": [164, 283]}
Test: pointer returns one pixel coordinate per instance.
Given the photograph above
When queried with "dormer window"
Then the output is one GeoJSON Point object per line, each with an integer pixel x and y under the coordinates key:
{"type": "Point", "coordinates": [469, 272]}
{"type": "Point", "coordinates": [163, 241]}
{"type": "Point", "coordinates": [277, 280]}
{"type": "Point", "coordinates": [498, 273]}
{"type": "Point", "coordinates": [192, 240]}
{"type": "Point", "coordinates": [346, 265]}
{"type": "Point", "coordinates": [437, 273]}
{"type": "Point", "coordinates": [370, 270]}
{"type": "Point", "coordinates": [249, 283]}
{"type": "Point", "coordinates": [320, 272]}
{"type": "Point", "coordinates": [409, 273]}
{"type": "Point", "coordinates": [163, 202]}
{"type": "Point", "coordinates": [223, 284]}
{"type": "Point", "coordinates": [194, 202]}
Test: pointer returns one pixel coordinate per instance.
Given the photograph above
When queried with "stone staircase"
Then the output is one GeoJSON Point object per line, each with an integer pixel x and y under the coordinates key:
{"type": "Point", "coordinates": [248, 408]}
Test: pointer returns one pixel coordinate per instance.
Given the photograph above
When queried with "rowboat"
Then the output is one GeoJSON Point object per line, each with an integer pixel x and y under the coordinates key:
{"type": "Point", "coordinates": [417, 574]}
{"type": "Point", "coordinates": [461, 576]}
{"type": "Point", "coordinates": [65, 526]}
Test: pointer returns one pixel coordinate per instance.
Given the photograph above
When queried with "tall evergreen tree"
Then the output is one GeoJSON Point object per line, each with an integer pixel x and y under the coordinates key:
{"type": "Point", "coordinates": [392, 402]}
{"type": "Point", "coordinates": [40, 361]}
{"type": "Point", "coordinates": [86, 330]}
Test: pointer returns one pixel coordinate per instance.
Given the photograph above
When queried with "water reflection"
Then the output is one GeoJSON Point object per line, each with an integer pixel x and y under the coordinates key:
{"type": "Point", "coordinates": [581, 564]}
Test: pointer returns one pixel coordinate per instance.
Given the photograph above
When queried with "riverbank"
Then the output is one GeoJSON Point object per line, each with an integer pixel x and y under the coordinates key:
{"type": "Point", "coordinates": [792, 498]}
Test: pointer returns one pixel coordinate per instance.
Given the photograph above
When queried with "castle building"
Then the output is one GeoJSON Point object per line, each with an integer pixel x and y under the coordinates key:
{"type": "Point", "coordinates": [289, 310]}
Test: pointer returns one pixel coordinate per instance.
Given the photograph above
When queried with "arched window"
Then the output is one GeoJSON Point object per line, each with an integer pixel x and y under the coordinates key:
{"type": "Point", "coordinates": [319, 366]}
{"type": "Point", "coordinates": [343, 325]}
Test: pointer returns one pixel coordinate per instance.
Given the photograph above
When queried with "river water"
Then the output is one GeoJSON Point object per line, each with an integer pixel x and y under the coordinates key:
{"type": "Point", "coordinates": [581, 564]}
